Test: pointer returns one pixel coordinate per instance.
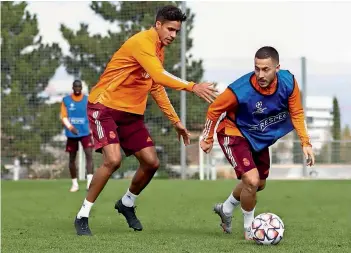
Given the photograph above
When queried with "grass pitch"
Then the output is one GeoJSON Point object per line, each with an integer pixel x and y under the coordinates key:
{"type": "Point", "coordinates": [37, 216]}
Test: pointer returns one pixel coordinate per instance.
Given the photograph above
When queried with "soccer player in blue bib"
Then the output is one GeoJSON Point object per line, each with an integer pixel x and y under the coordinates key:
{"type": "Point", "coordinates": [75, 120]}
{"type": "Point", "coordinates": [254, 112]}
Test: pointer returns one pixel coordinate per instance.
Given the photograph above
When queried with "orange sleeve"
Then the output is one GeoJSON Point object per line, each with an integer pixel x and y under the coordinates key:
{"type": "Point", "coordinates": [64, 117]}
{"type": "Point", "coordinates": [298, 116]}
{"type": "Point", "coordinates": [159, 94]}
{"type": "Point", "coordinates": [63, 111]}
{"type": "Point", "coordinates": [224, 102]}
{"type": "Point", "coordinates": [144, 51]}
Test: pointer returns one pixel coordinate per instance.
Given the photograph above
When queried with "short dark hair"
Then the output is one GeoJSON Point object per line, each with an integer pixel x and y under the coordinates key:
{"type": "Point", "coordinates": [77, 81]}
{"type": "Point", "coordinates": [170, 13]}
{"type": "Point", "coordinates": [267, 52]}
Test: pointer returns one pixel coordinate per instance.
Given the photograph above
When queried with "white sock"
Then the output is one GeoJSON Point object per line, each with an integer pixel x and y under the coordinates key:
{"type": "Point", "coordinates": [74, 181]}
{"type": "Point", "coordinates": [129, 199]}
{"type": "Point", "coordinates": [89, 178]}
{"type": "Point", "coordinates": [85, 209]}
{"type": "Point", "coordinates": [230, 204]}
{"type": "Point", "coordinates": [248, 217]}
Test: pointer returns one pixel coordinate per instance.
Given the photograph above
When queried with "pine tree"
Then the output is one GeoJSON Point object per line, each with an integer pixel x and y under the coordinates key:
{"type": "Point", "coordinates": [27, 65]}
{"type": "Point", "coordinates": [345, 151]}
{"type": "Point", "coordinates": [336, 132]}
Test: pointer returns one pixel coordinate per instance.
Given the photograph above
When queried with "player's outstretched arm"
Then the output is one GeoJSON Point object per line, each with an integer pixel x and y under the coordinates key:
{"type": "Point", "coordinates": [206, 91]}
{"type": "Point", "coordinates": [144, 53]}
{"type": "Point", "coordinates": [223, 103]}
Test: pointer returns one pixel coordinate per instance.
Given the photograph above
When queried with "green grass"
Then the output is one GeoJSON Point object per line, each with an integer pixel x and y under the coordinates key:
{"type": "Point", "coordinates": [37, 216]}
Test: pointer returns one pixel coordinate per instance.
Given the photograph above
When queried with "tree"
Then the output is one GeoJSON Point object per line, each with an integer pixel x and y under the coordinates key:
{"type": "Point", "coordinates": [336, 132]}
{"type": "Point", "coordinates": [89, 55]}
{"type": "Point", "coordinates": [26, 68]}
{"type": "Point", "coordinates": [345, 152]}
{"type": "Point", "coordinates": [324, 154]}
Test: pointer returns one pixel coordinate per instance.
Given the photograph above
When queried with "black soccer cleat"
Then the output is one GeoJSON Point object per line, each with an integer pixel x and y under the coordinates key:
{"type": "Point", "coordinates": [129, 214]}
{"type": "Point", "coordinates": [82, 226]}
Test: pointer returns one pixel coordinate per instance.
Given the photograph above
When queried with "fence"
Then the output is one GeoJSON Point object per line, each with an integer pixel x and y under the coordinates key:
{"type": "Point", "coordinates": [31, 131]}
{"type": "Point", "coordinates": [333, 161]}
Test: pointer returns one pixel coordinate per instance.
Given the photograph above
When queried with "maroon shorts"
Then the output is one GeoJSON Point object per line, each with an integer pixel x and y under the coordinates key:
{"type": "Point", "coordinates": [113, 126]}
{"type": "Point", "coordinates": [73, 143]}
{"type": "Point", "coordinates": [242, 157]}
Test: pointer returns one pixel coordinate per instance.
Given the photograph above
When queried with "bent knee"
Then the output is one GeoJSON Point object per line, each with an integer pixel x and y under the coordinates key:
{"type": "Point", "coordinates": [112, 164]}
{"type": "Point", "coordinates": [262, 185]}
{"type": "Point", "coordinates": [251, 180]}
{"type": "Point", "coordinates": [152, 164]}
{"type": "Point", "coordinates": [155, 164]}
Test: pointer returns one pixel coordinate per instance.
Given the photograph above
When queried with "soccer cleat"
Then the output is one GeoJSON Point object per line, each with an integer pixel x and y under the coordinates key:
{"type": "Point", "coordinates": [226, 221]}
{"type": "Point", "coordinates": [74, 188]}
{"type": "Point", "coordinates": [82, 226]}
{"type": "Point", "coordinates": [248, 233]}
{"type": "Point", "coordinates": [129, 214]}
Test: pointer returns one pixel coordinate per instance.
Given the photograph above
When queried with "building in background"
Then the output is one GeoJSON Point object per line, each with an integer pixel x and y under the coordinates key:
{"type": "Point", "coordinates": [319, 118]}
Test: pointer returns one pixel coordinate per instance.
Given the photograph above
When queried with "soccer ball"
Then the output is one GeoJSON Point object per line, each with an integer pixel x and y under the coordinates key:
{"type": "Point", "coordinates": [267, 228]}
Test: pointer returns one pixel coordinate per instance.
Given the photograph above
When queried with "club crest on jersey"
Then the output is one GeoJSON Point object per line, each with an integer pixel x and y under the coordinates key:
{"type": "Point", "coordinates": [112, 135]}
{"type": "Point", "coordinates": [259, 108]}
{"type": "Point", "coordinates": [246, 162]}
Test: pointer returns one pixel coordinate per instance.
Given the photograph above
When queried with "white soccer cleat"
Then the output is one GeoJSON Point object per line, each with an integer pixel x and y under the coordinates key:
{"type": "Point", "coordinates": [74, 188]}
{"type": "Point", "coordinates": [248, 233]}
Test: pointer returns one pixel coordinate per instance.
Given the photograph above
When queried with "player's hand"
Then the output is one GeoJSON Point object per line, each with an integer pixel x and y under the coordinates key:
{"type": "Point", "coordinates": [183, 132]}
{"type": "Point", "coordinates": [74, 131]}
{"type": "Point", "coordinates": [206, 147]}
{"type": "Point", "coordinates": [309, 155]}
{"type": "Point", "coordinates": [205, 91]}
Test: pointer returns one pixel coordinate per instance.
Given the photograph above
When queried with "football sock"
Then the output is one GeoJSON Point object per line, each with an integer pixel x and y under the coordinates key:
{"type": "Point", "coordinates": [85, 209]}
{"type": "Point", "coordinates": [129, 199]}
{"type": "Point", "coordinates": [89, 178]}
{"type": "Point", "coordinates": [248, 217]}
{"type": "Point", "coordinates": [74, 181]}
{"type": "Point", "coordinates": [230, 204]}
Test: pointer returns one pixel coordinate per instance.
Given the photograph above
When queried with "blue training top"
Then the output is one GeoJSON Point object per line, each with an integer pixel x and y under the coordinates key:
{"type": "Point", "coordinates": [263, 119]}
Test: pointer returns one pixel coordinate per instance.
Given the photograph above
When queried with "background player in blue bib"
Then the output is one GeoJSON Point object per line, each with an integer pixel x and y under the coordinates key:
{"type": "Point", "coordinates": [75, 120]}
